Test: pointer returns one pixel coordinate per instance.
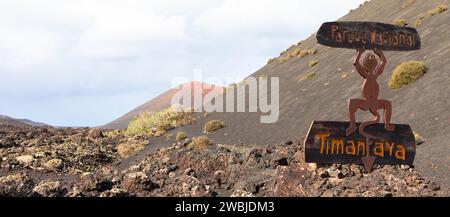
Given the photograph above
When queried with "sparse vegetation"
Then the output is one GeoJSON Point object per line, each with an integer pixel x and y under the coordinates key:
{"type": "Point", "coordinates": [303, 53]}
{"type": "Point", "coordinates": [200, 143]}
{"type": "Point", "coordinates": [159, 133]}
{"type": "Point", "coordinates": [156, 124]}
{"type": "Point", "coordinates": [295, 52]}
{"type": "Point", "coordinates": [407, 3]}
{"type": "Point", "coordinates": [307, 76]}
{"type": "Point", "coordinates": [400, 22]}
{"type": "Point", "coordinates": [213, 125]}
{"type": "Point", "coordinates": [129, 148]}
{"type": "Point", "coordinates": [344, 74]}
{"type": "Point", "coordinates": [290, 55]}
{"type": "Point", "coordinates": [418, 21]}
{"type": "Point", "coordinates": [312, 63]}
{"type": "Point", "coordinates": [418, 138]}
{"type": "Point", "coordinates": [284, 59]}
{"type": "Point", "coordinates": [180, 136]}
{"type": "Point", "coordinates": [271, 60]}
{"type": "Point", "coordinates": [439, 9]}
{"type": "Point", "coordinates": [111, 133]}
{"type": "Point", "coordinates": [406, 73]}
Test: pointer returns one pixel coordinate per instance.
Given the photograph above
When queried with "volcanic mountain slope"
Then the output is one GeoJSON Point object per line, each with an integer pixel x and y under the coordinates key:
{"type": "Point", "coordinates": [161, 102]}
{"type": "Point", "coordinates": [6, 120]}
{"type": "Point", "coordinates": [323, 95]}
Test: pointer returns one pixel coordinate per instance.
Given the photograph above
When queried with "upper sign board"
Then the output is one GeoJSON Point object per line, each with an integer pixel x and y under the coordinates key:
{"type": "Point", "coordinates": [369, 35]}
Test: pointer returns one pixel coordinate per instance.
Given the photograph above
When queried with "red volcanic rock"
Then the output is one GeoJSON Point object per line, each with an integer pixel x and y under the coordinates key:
{"type": "Point", "coordinates": [290, 181]}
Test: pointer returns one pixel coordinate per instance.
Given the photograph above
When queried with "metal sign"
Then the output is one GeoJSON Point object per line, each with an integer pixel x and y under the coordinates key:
{"type": "Point", "coordinates": [368, 142]}
{"type": "Point", "coordinates": [327, 142]}
{"type": "Point", "coordinates": [370, 35]}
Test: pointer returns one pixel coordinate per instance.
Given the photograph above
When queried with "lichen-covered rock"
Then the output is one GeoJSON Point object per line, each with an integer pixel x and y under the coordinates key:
{"type": "Point", "coordinates": [17, 185]}
{"type": "Point", "coordinates": [54, 164]}
{"type": "Point", "coordinates": [49, 188]}
{"type": "Point", "coordinates": [96, 133]}
{"type": "Point", "coordinates": [25, 159]}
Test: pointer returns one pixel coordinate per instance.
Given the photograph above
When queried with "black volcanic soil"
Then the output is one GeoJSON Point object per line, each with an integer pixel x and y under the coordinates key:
{"type": "Point", "coordinates": [39, 161]}
{"type": "Point", "coordinates": [423, 104]}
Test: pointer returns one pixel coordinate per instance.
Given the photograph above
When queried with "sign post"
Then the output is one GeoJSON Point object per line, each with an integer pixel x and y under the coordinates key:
{"type": "Point", "coordinates": [368, 142]}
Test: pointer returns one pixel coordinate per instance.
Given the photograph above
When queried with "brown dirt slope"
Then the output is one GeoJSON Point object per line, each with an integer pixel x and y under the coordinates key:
{"type": "Point", "coordinates": [423, 104]}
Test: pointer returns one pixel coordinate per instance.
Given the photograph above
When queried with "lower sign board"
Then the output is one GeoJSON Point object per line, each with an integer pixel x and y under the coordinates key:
{"type": "Point", "coordinates": [369, 35]}
{"type": "Point", "coordinates": [326, 142]}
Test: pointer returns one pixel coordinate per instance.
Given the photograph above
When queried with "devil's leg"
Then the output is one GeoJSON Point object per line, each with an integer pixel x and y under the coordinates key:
{"type": "Point", "coordinates": [387, 107]}
{"type": "Point", "coordinates": [353, 106]}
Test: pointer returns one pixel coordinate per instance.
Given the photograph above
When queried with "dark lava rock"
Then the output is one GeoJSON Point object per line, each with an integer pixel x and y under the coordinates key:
{"type": "Point", "coordinates": [17, 185]}
{"type": "Point", "coordinates": [289, 181]}
{"type": "Point", "coordinates": [49, 188]}
{"type": "Point", "coordinates": [136, 182]}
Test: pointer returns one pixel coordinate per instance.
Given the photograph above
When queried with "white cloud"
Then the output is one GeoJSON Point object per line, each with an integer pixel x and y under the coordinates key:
{"type": "Point", "coordinates": [22, 48]}
{"type": "Point", "coordinates": [268, 16]}
{"type": "Point", "coordinates": [53, 51]}
{"type": "Point", "coordinates": [120, 31]}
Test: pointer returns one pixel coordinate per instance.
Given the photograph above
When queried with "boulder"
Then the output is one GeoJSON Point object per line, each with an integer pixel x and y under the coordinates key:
{"type": "Point", "coordinates": [290, 181]}
{"type": "Point", "coordinates": [138, 181]}
{"type": "Point", "coordinates": [49, 188]}
{"type": "Point", "coordinates": [25, 160]}
{"type": "Point", "coordinates": [54, 164]}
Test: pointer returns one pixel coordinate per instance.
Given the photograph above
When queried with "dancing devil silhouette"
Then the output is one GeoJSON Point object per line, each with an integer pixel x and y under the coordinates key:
{"type": "Point", "coordinates": [369, 70]}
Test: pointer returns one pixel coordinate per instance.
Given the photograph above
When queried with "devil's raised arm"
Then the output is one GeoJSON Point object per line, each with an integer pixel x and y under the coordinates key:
{"type": "Point", "coordinates": [359, 68]}
{"type": "Point", "coordinates": [380, 68]}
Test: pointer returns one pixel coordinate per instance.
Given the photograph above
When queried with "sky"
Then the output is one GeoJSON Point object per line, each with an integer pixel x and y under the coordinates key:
{"type": "Point", "coordinates": [87, 62]}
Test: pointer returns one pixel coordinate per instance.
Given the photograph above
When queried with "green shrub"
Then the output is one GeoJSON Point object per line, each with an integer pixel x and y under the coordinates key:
{"type": "Point", "coordinates": [400, 22]}
{"type": "Point", "coordinates": [295, 52]}
{"type": "Point", "coordinates": [112, 133]}
{"type": "Point", "coordinates": [271, 60]}
{"type": "Point", "coordinates": [408, 3]}
{"type": "Point", "coordinates": [180, 136]}
{"type": "Point", "coordinates": [418, 138]}
{"type": "Point", "coordinates": [303, 53]}
{"type": "Point", "coordinates": [284, 59]}
{"type": "Point", "coordinates": [406, 73]}
{"type": "Point", "coordinates": [307, 76]}
{"type": "Point", "coordinates": [313, 51]}
{"type": "Point", "coordinates": [439, 9]}
{"type": "Point", "coordinates": [156, 124]}
{"type": "Point", "coordinates": [200, 143]}
{"type": "Point", "coordinates": [418, 21]}
{"type": "Point", "coordinates": [213, 125]}
{"type": "Point", "coordinates": [129, 148]}
{"type": "Point", "coordinates": [312, 63]}
{"type": "Point", "coordinates": [343, 74]}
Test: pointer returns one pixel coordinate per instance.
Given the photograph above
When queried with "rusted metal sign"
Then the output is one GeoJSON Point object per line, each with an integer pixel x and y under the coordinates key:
{"type": "Point", "coordinates": [368, 142]}
{"type": "Point", "coordinates": [327, 142]}
{"type": "Point", "coordinates": [369, 35]}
